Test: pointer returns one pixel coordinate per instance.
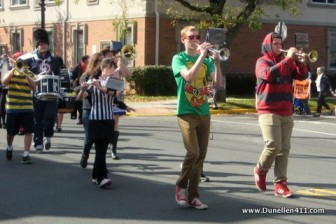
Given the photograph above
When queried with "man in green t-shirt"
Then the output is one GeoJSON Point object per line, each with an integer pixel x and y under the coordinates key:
{"type": "Point", "coordinates": [192, 69]}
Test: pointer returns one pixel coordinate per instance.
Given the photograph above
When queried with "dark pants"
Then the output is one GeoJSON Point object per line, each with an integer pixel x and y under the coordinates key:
{"type": "Point", "coordinates": [45, 118]}
{"type": "Point", "coordinates": [87, 143]}
{"type": "Point", "coordinates": [321, 102]}
{"type": "Point", "coordinates": [99, 171]}
{"type": "Point", "coordinates": [100, 132]}
{"type": "Point", "coordinates": [3, 105]}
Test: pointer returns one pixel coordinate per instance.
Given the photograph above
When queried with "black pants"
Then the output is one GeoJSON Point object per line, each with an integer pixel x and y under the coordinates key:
{"type": "Point", "coordinates": [100, 132]}
{"type": "Point", "coordinates": [321, 102]}
{"type": "Point", "coordinates": [99, 171]}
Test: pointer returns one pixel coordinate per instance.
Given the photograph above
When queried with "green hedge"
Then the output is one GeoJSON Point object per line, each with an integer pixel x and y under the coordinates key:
{"type": "Point", "coordinates": [159, 81]}
{"type": "Point", "coordinates": [153, 81]}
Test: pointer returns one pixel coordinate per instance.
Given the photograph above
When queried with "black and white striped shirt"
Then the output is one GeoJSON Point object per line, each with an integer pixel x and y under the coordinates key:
{"type": "Point", "coordinates": [102, 105]}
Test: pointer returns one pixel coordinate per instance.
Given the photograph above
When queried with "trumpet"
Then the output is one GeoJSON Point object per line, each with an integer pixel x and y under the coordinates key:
{"type": "Point", "coordinates": [312, 56]}
{"type": "Point", "coordinates": [224, 53]}
{"type": "Point", "coordinates": [22, 68]}
{"type": "Point", "coordinates": [127, 53]}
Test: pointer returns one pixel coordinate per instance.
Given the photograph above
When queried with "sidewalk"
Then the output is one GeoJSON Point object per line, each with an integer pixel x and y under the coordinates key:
{"type": "Point", "coordinates": [168, 107]}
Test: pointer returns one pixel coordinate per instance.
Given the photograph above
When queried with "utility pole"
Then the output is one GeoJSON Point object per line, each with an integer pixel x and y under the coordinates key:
{"type": "Point", "coordinates": [42, 5]}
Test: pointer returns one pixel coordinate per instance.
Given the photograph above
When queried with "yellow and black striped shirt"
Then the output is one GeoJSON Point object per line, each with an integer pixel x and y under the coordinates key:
{"type": "Point", "coordinates": [19, 97]}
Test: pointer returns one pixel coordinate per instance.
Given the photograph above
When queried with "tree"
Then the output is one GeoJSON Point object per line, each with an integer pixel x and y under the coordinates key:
{"type": "Point", "coordinates": [231, 15]}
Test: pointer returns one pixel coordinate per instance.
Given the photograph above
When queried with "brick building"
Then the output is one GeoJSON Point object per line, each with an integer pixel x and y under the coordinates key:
{"type": "Point", "coordinates": [84, 27]}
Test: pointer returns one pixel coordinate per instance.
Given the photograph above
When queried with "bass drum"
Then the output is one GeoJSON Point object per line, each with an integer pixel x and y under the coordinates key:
{"type": "Point", "coordinates": [65, 77]}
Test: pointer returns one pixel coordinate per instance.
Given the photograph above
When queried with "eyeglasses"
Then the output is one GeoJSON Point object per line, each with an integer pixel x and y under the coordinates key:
{"type": "Point", "coordinates": [192, 37]}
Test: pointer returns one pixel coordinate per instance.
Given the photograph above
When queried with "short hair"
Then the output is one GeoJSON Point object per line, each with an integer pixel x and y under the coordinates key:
{"type": "Point", "coordinates": [322, 69]}
{"type": "Point", "coordinates": [85, 57]}
{"type": "Point", "coordinates": [186, 29]}
{"type": "Point", "coordinates": [108, 62]}
{"type": "Point", "coordinates": [276, 35]}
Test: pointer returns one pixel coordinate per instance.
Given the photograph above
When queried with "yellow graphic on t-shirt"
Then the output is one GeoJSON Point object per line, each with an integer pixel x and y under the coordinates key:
{"type": "Point", "coordinates": [196, 91]}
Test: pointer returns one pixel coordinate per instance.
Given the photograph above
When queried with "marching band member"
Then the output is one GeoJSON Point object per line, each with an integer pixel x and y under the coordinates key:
{"type": "Point", "coordinates": [191, 71]}
{"type": "Point", "coordinates": [19, 109]}
{"type": "Point", "coordinates": [92, 70]}
{"type": "Point", "coordinates": [121, 72]}
{"type": "Point", "coordinates": [101, 122]}
{"type": "Point", "coordinates": [274, 99]}
{"type": "Point", "coordinates": [45, 110]}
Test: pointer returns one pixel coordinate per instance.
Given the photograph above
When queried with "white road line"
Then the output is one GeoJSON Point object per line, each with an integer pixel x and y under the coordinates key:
{"type": "Point", "coordinates": [295, 129]}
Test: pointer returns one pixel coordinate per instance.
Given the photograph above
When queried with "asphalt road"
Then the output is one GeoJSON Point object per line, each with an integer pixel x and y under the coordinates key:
{"type": "Point", "coordinates": [54, 189]}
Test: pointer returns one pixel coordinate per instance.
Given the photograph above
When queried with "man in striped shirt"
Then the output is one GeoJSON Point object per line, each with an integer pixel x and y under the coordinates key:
{"type": "Point", "coordinates": [19, 109]}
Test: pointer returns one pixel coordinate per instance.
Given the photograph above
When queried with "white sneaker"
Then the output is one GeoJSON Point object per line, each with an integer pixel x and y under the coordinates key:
{"type": "Point", "coordinates": [105, 182]}
{"type": "Point", "coordinates": [46, 143]}
{"type": "Point", "coordinates": [39, 148]}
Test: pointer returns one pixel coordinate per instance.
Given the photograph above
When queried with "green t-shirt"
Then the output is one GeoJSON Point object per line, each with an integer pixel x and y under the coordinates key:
{"type": "Point", "coordinates": [192, 97]}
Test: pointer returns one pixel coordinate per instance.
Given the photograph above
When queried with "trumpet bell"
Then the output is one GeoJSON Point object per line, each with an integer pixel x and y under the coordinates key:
{"type": "Point", "coordinates": [312, 56]}
{"type": "Point", "coordinates": [128, 52]}
{"type": "Point", "coordinates": [224, 54]}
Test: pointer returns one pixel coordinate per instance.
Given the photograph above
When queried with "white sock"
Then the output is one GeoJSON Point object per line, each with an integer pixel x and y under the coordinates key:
{"type": "Point", "coordinates": [10, 148]}
{"type": "Point", "coordinates": [25, 153]}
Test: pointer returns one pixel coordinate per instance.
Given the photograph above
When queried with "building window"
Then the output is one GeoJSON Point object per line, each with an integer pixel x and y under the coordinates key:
{"type": "Point", "coordinates": [128, 39]}
{"type": "Point", "coordinates": [15, 3]}
{"type": "Point", "coordinates": [16, 37]}
{"type": "Point", "coordinates": [1, 4]}
{"type": "Point", "coordinates": [323, 1]}
{"type": "Point", "coordinates": [79, 40]}
{"type": "Point", "coordinates": [332, 49]}
{"type": "Point", "coordinates": [3, 49]}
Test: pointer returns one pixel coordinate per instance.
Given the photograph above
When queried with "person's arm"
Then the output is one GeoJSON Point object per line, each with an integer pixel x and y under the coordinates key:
{"type": "Point", "coordinates": [5, 79]}
{"type": "Point", "coordinates": [123, 69]}
{"type": "Point", "coordinates": [122, 105]}
{"type": "Point", "coordinates": [32, 84]}
{"type": "Point", "coordinates": [216, 76]}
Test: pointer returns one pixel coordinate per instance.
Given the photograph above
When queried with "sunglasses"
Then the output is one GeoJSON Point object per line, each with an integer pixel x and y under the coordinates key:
{"type": "Point", "coordinates": [192, 37]}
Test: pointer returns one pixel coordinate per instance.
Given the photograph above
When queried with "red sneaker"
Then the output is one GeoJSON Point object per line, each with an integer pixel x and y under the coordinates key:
{"type": "Point", "coordinates": [181, 196]}
{"type": "Point", "coordinates": [196, 203]}
{"type": "Point", "coordinates": [281, 189]}
{"type": "Point", "coordinates": [260, 179]}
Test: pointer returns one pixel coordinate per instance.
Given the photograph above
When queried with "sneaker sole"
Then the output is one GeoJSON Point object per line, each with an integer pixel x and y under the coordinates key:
{"type": "Point", "coordinates": [284, 196]}
{"type": "Point", "coordinates": [182, 203]}
{"type": "Point", "coordinates": [200, 208]}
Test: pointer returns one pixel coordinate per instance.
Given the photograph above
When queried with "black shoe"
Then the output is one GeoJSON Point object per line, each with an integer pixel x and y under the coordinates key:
{"type": "Point", "coordinates": [0, 125]}
{"type": "Point", "coordinates": [9, 154]}
{"type": "Point", "coordinates": [26, 160]}
{"type": "Point", "coordinates": [331, 112]}
{"type": "Point", "coordinates": [204, 178]}
{"type": "Point", "coordinates": [316, 115]}
{"type": "Point", "coordinates": [84, 161]}
{"type": "Point", "coordinates": [114, 156]}
{"type": "Point", "coordinates": [58, 129]}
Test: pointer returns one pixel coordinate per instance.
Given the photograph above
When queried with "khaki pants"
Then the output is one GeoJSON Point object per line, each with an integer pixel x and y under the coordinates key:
{"type": "Point", "coordinates": [277, 132]}
{"type": "Point", "coordinates": [195, 133]}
